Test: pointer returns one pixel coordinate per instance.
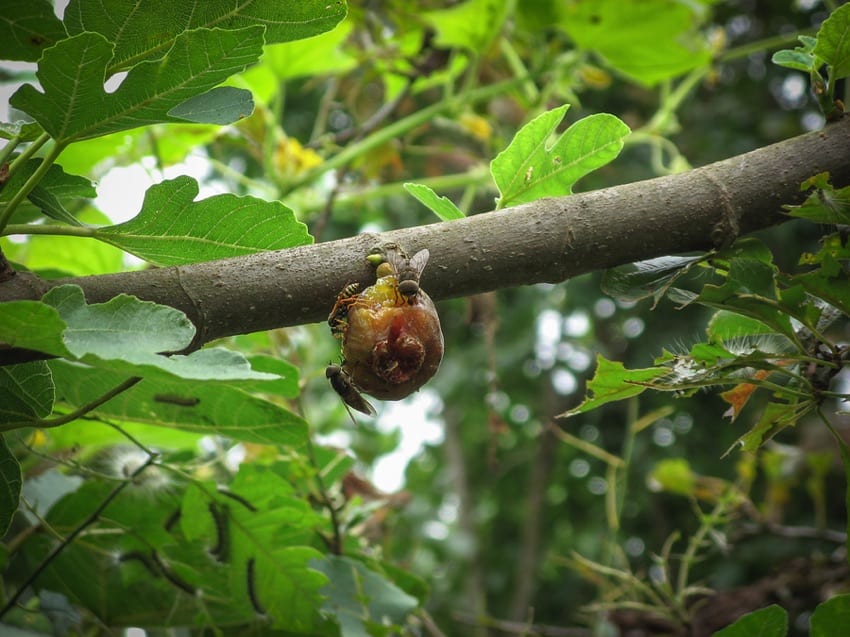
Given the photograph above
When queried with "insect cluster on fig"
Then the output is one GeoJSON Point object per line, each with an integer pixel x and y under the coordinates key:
{"type": "Point", "coordinates": [390, 333]}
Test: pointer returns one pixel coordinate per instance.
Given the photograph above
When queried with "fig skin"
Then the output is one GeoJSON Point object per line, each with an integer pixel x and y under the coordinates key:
{"type": "Point", "coordinates": [392, 344]}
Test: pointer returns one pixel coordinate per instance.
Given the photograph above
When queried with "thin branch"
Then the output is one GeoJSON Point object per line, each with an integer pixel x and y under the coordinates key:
{"type": "Point", "coordinates": [92, 517]}
{"type": "Point", "coordinates": [522, 628]}
{"type": "Point", "coordinates": [77, 413]}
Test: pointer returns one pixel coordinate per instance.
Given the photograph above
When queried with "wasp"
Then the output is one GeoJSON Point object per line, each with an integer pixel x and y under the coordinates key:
{"type": "Point", "coordinates": [342, 384]}
{"type": "Point", "coordinates": [407, 270]}
{"type": "Point", "coordinates": [338, 318]}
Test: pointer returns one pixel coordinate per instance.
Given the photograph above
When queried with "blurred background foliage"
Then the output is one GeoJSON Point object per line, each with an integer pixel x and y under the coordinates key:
{"type": "Point", "coordinates": [492, 504]}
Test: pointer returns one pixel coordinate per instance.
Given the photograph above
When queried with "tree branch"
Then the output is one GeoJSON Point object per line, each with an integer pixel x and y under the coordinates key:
{"type": "Point", "coordinates": [549, 240]}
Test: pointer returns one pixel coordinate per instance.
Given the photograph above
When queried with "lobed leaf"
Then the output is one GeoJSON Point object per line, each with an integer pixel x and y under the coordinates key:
{"type": "Point", "coordinates": [173, 229]}
{"type": "Point", "coordinates": [27, 27]}
{"type": "Point", "coordinates": [74, 104]}
{"type": "Point", "coordinates": [613, 382]}
{"type": "Point", "coordinates": [531, 168]}
{"type": "Point", "coordinates": [146, 29]}
{"type": "Point", "coordinates": [833, 42]}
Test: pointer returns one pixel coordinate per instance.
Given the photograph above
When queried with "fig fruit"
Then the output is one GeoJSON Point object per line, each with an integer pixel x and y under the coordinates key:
{"type": "Point", "coordinates": [392, 343]}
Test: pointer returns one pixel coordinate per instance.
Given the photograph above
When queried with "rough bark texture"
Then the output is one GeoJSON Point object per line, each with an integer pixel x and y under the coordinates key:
{"type": "Point", "coordinates": [549, 240]}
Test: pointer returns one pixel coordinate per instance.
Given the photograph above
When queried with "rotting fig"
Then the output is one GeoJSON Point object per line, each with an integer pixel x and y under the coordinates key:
{"type": "Point", "coordinates": [392, 343]}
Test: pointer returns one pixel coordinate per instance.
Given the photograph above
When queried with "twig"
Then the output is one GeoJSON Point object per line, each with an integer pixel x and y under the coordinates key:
{"type": "Point", "coordinates": [336, 544]}
{"type": "Point", "coordinates": [77, 413]}
{"type": "Point", "coordinates": [522, 628]}
{"type": "Point", "coordinates": [93, 516]}
{"type": "Point", "coordinates": [789, 532]}
{"type": "Point", "coordinates": [429, 624]}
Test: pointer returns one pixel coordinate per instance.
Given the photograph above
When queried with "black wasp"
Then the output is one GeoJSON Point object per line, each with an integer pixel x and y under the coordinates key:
{"type": "Point", "coordinates": [342, 385]}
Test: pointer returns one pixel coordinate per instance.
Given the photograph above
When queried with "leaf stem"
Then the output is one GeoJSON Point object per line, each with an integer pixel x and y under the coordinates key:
{"type": "Point", "coordinates": [478, 175]}
{"type": "Point", "coordinates": [30, 183]}
{"type": "Point", "coordinates": [77, 413]}
{"type": "Point", "coordinates": [336, 543]}
{"type": "Point", "coordinates": [49, 229]}
{"type": "Point", "coordinates": [398, 128]}
{"type": "Point", "coordinates": [28, 152]}
{"type": "Point", "coordinates": [762, 45]}
{"type": "Point", "coordinates": [9, 148]}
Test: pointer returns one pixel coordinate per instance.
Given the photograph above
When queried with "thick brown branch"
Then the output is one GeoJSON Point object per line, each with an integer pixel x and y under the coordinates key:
{"type": "Point", "coordinates": [549, 240]}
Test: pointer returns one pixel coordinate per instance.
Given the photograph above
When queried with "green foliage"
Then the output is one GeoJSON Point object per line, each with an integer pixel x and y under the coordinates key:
{"type": "Point", "coordinates": [531, 167]}
{"type": "Point", "coordinates": [173, 229]}
{"type": "Point", "coordinates": [648, 41]}
{"type": "Point", "coordinates": [831, 48]}
{"type": "Point", "coordinates": [222, 491]}
{"type": "Point", "coordinates": [771, 621]}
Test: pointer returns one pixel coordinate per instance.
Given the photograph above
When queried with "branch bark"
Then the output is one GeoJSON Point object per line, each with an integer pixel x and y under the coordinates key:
{"type": "Point", "coordinates": [549, 240]}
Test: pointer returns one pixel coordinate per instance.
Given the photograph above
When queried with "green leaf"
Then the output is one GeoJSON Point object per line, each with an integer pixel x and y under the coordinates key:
{"type": "Point", "coordinates": [129, 336]}
{"type": "Point", "coordinates": [284, 385]}
{"type": "Point", "coordinates": [613, 382]}
{"type": "Point", "coordinates": [443, 207]}
{"type": "Point", "coordinates": [26, 131]}
{"type": "Point", "coordinates": [49, 194]}
{"type": "Point", "coordinates": [637, 281]}
{"type": "Point", "coordinates": [833, 42]}
{"type": "Point", "coordinates": [359, 598]}
{"type": "Point", "coordinates": [796, 59]}
{"type": "Point", "coordinates": [173, 229]}
{"type": "Point", "coordinates": [221, 105]}
{"type": "Point", "coordinates": [319, 55]}
{"type": "Point", "coordinates": [750, 290]}
{"type": "Point", "coordinates": [728, 326]}
{"type": "Point", "coordinates": [203, 408]}
{"type": "Point", "coordinates": [833, 286]}
{"type": "Point", "coordinates": [471, 25]}
{"type": "Point", "coordinates": [531, 168]}
{"type": "Point", "coordinates": [832, 617]}
{"type": "Point", "coordinates": [825, 205]}
{"type": "Point", "coordinates": [146, 29]}
{"type": "Point", "coordinates": [674, 475]}
{"type": "Point", "coordinates": [10, 492]}
{"type": "Point", "coordinates": [771, 621]}
{"type": "Point", "coordinates": [26, 392]}
{"type": "Point", "coordinates": [122, 327]}
{"type": "Point", "coordinates": [27, 27]}
{"type": "Point", "coordinates": [776, 417]}
{"type": "Point", "coordinates": [74, 104]}
{"type": "Point", "coordinates": [32, 325]}
{"type": "Point", "coordinates": [60, 255]}
{"type": "Point", "coordinates": [650, 40]}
